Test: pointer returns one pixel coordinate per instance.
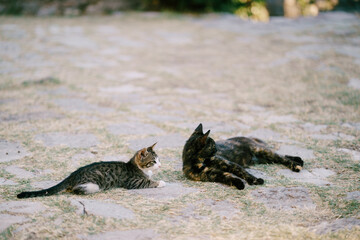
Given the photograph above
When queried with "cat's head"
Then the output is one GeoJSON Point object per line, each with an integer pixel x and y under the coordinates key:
{"type": "Point", "coordinates": [200, 144]}
{"type": "Point", "coordinates": [146, 159]}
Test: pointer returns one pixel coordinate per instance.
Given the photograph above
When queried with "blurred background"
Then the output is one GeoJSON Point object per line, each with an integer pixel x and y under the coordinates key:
{"type": "Point", "coordinates": [257, 10]}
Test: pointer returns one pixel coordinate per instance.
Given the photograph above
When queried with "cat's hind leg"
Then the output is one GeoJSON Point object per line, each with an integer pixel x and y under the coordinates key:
{"type": "Point", "coordinates": [237, 170]}
{"type": "Point", "coordinates": [86, 188]}
{"type": "Point", "coordinates": [216, 175]}
{"type": "Point", "coordinates": [296, 159]}
{"type": "Point", "coordinates": [268, 156]}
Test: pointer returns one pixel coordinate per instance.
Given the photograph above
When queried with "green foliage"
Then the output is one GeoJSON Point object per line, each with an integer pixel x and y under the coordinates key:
{"type": "Point", "coordinates": [351, 98]}
{"type": "Point", "coordinates": [6, 234]}
{"type": "Point", "coordinates": [254, 9]}
{"type": "Point", "coordinates": [13, 7]}
{"type": "Point", "coordinates": [191, 5]}
{"type": "Point", "coordinates": [43, 81]}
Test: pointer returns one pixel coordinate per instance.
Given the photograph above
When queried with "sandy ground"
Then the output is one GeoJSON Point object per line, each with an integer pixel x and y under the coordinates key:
{"type": "Point", "coordinates": [79, 90]}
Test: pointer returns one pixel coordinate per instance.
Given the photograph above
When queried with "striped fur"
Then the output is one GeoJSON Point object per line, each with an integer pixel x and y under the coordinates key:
{"type": "Point", "coordinates": [105, 175]}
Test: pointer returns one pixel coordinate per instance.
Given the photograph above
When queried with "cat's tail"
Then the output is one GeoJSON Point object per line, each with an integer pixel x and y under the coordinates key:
{"type": "Point", "coordinates": [46, 192]}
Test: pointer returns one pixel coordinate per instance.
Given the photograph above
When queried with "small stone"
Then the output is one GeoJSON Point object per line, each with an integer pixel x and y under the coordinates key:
{"type": "Point", "coordinates": [103, 209]}
{"type": "Point", "coordinates": [281, 198]}
{"type": "Point", "coordinates": [170, 191]}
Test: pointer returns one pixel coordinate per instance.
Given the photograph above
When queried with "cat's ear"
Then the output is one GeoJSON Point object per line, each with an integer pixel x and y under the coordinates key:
{"type": "Point", "coordinates": [199, 128]}
{"type": "Point", "coordinates": [152, 146]}
{"type": "Point", "coordinates": [142, 153]}
{"type": "Point", "coordinates": [203, 138]}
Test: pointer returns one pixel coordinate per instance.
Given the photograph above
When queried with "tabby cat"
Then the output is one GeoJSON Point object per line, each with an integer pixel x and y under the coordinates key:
{"type": "Point", "coordinates": [98, 176]}
{"type": "Point", "coordinates": [224, 161]}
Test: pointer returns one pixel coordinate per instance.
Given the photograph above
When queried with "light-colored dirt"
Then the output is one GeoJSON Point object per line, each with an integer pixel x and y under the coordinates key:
{"type": "Point", "coordinates": [127, 80]}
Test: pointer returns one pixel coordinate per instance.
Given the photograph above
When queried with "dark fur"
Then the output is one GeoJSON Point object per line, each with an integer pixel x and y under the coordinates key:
{"type": "Point", "coordinates": [224, 161]}
{"type": "Point", "coordinates": [106, 175]}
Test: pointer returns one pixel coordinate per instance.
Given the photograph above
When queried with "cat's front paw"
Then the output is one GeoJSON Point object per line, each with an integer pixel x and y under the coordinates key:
{"type": "Point", "coordinates": [295, 167]}
{"type": "Point", "coordinates": [255, 181]}
{"type": "Point", "coordinates": [259, 181]}
{"type": "Point", "coordinates": [161, 184]}
{"type": "Point", "coordinates": [238, 184]}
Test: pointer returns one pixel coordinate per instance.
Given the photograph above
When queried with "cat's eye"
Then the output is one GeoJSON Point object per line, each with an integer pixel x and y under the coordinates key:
{"type": "Point", "coordinates": [149, 165]}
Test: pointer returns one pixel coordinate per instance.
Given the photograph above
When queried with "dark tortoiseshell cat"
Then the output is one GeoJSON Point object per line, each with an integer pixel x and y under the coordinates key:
{"type": "Point", "coordinates": [224, 161]}
{"type": "Point", "coordinates": [98, 176]}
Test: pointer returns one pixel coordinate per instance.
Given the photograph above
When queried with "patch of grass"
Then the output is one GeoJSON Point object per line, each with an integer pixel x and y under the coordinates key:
{"type": "Point", "coordinates": [349, 98]}
{"type": "Point", "coordinates": [344, 208]}
{"type": "Point", "coordinates": [6, 234]}
{"type": "Point", "coordinates": [355, 167]}
{"type": "Point", "coordinates": [65, 206]}
{"type": "Point", "coordinates": [351, 208]}
{"type": "Point", "coordinates": [6, 84]}
{"type": "Point", "coordinates": [43, 81]}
